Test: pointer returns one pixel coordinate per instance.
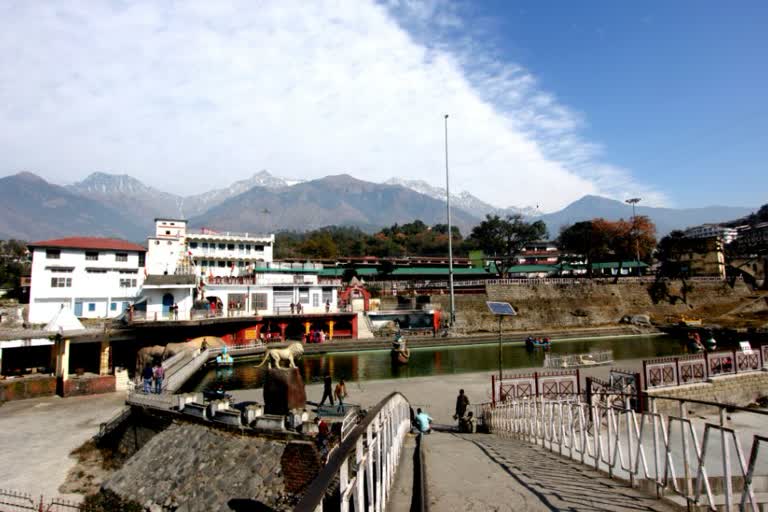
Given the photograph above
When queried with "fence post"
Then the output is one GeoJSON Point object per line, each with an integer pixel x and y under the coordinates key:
{"type": "Point", "coordinates": [706, 365]}
{"type": "Point", "coordinates": [578, 382]}
{"type": "Point", "coordinates": [493, 390]}
{"type": "Point", "coordinates": [677, 370]}
{"type": "Point", "coordinates": [536, 382]}
{"type": "Point", "coordinates": [588, 393]}
{"type": "Point", "coordinates": [735, 366]}
{"type": "Point", "coordinates": [645, 375]}
{"type": "Point", "coordinates": [638, 394]}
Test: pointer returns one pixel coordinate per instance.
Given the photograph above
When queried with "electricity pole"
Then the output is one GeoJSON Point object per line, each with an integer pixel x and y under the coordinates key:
{"type": "Point", "coordinates": [450, 231]}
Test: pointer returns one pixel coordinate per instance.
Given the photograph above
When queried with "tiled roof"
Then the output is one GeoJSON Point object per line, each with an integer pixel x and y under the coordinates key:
{"type": "Point", "coordinates": [89, 242]}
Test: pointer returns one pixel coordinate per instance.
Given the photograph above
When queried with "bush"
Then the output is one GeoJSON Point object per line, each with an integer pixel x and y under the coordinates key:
{"type": "Point", "coordinates": [108, 501]}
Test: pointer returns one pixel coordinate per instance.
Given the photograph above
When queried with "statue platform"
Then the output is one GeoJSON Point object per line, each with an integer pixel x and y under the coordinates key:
{"type": "Point", "coordinates": [283, 391]}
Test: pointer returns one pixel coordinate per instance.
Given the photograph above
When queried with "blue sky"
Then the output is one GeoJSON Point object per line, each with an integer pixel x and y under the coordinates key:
{"type": "Point", "coordinates": [548, 101]}
{"type": "Point", "coordinates": [675, 91]}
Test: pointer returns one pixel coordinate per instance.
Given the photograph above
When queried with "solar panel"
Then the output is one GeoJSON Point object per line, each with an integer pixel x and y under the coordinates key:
{"type": "Point", "coordinates": [501, 308]}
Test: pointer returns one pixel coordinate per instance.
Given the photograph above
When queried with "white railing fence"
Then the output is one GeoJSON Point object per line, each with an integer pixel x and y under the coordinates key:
{"type": "Point", "coordinates": [366, 461]}
{"type": "Point", "coordinates": [667, 454]}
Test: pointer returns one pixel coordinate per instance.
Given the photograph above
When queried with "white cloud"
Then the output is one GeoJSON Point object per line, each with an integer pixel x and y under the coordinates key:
{"type": "Point", "coordinates": [187, 96]}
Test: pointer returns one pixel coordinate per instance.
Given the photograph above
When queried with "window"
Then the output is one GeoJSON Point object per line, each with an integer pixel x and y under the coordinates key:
{"type": "Point", "coordinates": [248, 248]}
{"type": "Point", "coordinates": [167, 232]}
{"type": "Point", "coordinates": [205, 246]}
{"type": "Point", "coordinates": [193, 245]}
{"type": "Point", "coordinates": [327, 295]}
{"type": "Point", "coordinates": [222, 247]}
{"type": "Point", "coordinates": [304, 295]}
{"type": "Point", "coordinates": [52, 254]}
{"type": "Point", "coordinates": [258, 301]}
{"type": "Point", "coordinates": [221, 264]}
{"type": "Point", "coordinates": [241, 247]}
{"type": "Point", "coordinates": [113, 306]}
{"type": "Point", "coordinates": [204, 263]}
{"type": "Point", "coordinates": [121, 256]}
{"type": "Point", "coordinates": [230, 247]}
{"type": "Point", "coordinates": [173, 223]}
{"type": "Point", "coordinates": [157, 242]}
{"type": "Point", "coordinates": [91, 306]}
{"type": "Point", "coordinates": [141, 259]}
{"type": "Point", "coordinates": [170, 242]}
{"type": "Point", "coordinates": [127, 283]}
{"type": "Point", "coordinates": [258, 247]}
{"type": "Point", "coordinates": [241, 264]}
{"type": "Point", "coordinates": [229, 264]}
{"type": "Point", "coordinates": [61, 282]}
{"type": "Point", "coordinates": [315, 300]}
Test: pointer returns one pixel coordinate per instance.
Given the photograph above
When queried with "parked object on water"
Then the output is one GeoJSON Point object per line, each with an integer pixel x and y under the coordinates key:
{"type": "Point", "coordinates": [400, 353]}
{"type": "Point", "coordinates": [531, 342]}
{"type": "Point", "coordinates": [224, 359]}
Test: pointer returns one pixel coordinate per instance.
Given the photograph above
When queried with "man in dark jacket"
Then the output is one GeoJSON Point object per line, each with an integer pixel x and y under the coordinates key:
{"type": "Point", "coordinates": [327, 389]}
{"type": "Point", "coordinates": [461, 405]}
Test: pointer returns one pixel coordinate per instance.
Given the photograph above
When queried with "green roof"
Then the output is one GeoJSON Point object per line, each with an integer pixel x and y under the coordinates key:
{"type": "Point", "coordinates": [437, 271]}
{"type": "Point", "coordinates": [624, 264]}
{"type": "Point", "coordinates": [339, 271]}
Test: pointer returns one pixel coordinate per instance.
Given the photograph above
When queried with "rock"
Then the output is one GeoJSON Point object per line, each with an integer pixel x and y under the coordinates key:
{"type": "Point", "coordinates": [283, 391]}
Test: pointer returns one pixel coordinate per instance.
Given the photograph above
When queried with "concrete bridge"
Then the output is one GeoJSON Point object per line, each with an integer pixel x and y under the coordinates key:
{"type": "Point", "coordinates": [547, 454]}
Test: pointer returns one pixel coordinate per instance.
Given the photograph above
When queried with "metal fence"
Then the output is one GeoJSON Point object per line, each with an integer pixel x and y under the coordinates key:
{"type": "Point", "coordinates": [365, 463]}
{"type": "Point", "coordinates": [674, 371]}
{"type": "Point", "coordinates": [550, 384]}
{"type": "Point", "coordinates": [667, 454]}
{"type": "Point", "coordinates": [14, 501]}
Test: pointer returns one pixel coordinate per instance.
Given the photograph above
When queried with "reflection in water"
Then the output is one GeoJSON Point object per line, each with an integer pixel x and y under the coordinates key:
{"type": "Point", "coordinates": [377, 364]}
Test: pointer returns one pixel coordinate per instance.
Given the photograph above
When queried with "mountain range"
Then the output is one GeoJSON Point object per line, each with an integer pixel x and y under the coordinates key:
{"type": "Point", "coordinates": [122, 206]}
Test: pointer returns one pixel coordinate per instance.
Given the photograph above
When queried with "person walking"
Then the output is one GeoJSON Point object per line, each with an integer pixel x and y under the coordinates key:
{"type": "Point", "coordinates": [327, 389]}
{"type": "Point", "coordinates": [327, 306]}
{"type": "Point", "coordinates": [341, 394]}
{"type": "Point", "coordinates": [147, 375]}
{"type": "Point", "coordinates": [293, 307]}
{"type": "Point", "coordinates": [159, 375]}
{"type": "Point", "coordinates": [461, 405]}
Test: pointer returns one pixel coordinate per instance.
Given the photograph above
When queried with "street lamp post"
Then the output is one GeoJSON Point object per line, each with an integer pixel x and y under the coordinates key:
{"type": "Point", "coordinates": [633, 201]}
{"type": "Point", "coordinates": [450, 231]}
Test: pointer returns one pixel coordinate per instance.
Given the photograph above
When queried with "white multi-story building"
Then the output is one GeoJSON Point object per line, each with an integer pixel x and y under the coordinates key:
{"type": "Point", "coordinates": [94, 277]}
{"type": "Point", "coordinates": [206, 252]}
{"type": "Point", "coordinates": [727, 235]}
{"type": "Point", "coordinates": [208, 272]}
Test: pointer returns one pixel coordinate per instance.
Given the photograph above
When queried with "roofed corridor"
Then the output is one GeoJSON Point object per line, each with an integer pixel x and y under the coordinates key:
{"type": "Point", "coordinates": [486, 472]}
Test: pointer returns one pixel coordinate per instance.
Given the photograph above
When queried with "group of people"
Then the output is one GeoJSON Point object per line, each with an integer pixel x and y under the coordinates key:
{"type": "Point", "coordinates": [422, 422]}
{"type": "Point", "coordinates": [153, 377]}
{"type": "Point", "coordinates": [315, 336]}
{"type": "Point", "coordinates": [296, 308]}
{"type": "Point", "coordinates": [340, 392]}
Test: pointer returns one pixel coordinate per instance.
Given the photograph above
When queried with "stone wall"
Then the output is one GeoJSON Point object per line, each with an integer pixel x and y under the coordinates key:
{"type": "Point", "coordinates": [741, 389]}
{"type": "Point", "coordinates": [591, 304]}
{"type": "Point", "coordinates": [87, 385]}
{"type": "Point", "coordinates": [27, 387]}
{"type": "Point", "coordinates": [301, 463]}
{"type": "Point", "coordinates": [195, 467]}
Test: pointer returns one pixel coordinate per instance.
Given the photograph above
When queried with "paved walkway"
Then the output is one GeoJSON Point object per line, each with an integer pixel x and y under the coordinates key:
{"type": "Point", "coordinates": [37, 436]}
{"type": "Point", "coordinates": [483, 472]}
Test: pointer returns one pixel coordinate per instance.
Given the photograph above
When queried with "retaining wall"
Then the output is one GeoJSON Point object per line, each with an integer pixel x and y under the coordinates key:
{"type": "Point", "coordinates": [27, 387]}
{"type": "Point", "coordinates": [591, 304]}
{"type": "Point", "coordinates": [741, 389]}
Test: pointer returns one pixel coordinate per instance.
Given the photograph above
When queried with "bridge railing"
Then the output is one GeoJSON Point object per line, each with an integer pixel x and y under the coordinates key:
{"type": "Point", "coordinates": [365, 462]}
{"type": "Point", "coordinates": [670, 454]}
{"type": "Point", "coordinates": [674, 371]}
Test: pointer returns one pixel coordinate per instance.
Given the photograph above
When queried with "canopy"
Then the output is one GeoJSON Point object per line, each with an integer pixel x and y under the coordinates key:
{"type": "Point", "coordinates": [64, 320]}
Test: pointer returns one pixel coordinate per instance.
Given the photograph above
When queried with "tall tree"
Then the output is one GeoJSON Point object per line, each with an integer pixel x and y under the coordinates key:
{"type": "Point", "coordinates": [504, 239]}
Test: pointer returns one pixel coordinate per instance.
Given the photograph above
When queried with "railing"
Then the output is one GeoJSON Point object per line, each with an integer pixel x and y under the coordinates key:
{"type": "Point", "coordinates": [365, 462]}
{"type": "Point", "coordinates": [108, 426]}
{"type": "Point", "coordinates": [674, 371]}
{"type": "Point", "coordinates": [549, 384]}
{"type": "Point", "coordinates": [643, 448]}
{"type": "Point", "coordinates": [577, 360]}
{"type": "Point", "coordinates": [13, 501]}
{"type": "Point", "coordinates": [175, 381]}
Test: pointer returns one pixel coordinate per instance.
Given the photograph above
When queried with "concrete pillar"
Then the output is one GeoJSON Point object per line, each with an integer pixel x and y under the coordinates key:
{"type": "Point", "coordinates": [104, 358]}
{"type": "Point", "coordinates": [306, 327]}
{"type": "Point", "coordinates": [282, 330]}
{"type": "Point", "coordinates": [62, 359]}
{"type": "Point", "coordinates": [330, 329]}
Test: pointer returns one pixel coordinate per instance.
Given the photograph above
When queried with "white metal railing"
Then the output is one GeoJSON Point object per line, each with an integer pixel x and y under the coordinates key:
{"type": "Point", "coordinates": [175, 381]}
{"type": "Point", "coordinates": [666, 453]}
{"type": "Point", "coordinates": [365, 462]}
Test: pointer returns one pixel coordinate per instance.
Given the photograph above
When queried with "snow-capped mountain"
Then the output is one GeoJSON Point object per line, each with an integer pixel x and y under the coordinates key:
{"type": "Point", "coordinates": [463, 200]}
{"type": "Point", "coordinates": [199, 203]}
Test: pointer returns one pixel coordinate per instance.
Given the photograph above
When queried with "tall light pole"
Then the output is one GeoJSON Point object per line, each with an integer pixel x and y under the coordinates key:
{"type": "Point", "coordinates": [450, 231]}
{"type": "Point", "coordinates": [633, 201]}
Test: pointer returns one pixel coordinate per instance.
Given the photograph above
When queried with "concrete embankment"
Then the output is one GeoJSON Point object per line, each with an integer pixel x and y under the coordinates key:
{"type": "Point", "coordinates": [587, 303]}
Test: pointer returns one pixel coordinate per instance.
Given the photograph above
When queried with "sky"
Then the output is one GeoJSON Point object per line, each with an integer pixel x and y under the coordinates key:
{"type": "Point", "coordinates": [547, 100]}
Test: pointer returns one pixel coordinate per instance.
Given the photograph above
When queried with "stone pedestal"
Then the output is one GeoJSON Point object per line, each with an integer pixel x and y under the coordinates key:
{"type": "Point", "coordinates": [283, 391]}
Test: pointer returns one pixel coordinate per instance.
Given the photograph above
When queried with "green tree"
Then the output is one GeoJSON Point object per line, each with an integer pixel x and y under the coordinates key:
{"type": "Point", "coordinates": [504, 239]}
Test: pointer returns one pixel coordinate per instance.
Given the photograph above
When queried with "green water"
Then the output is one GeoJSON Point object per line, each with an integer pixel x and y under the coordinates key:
{"type": "Point", "coordinates": [375, 365]}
